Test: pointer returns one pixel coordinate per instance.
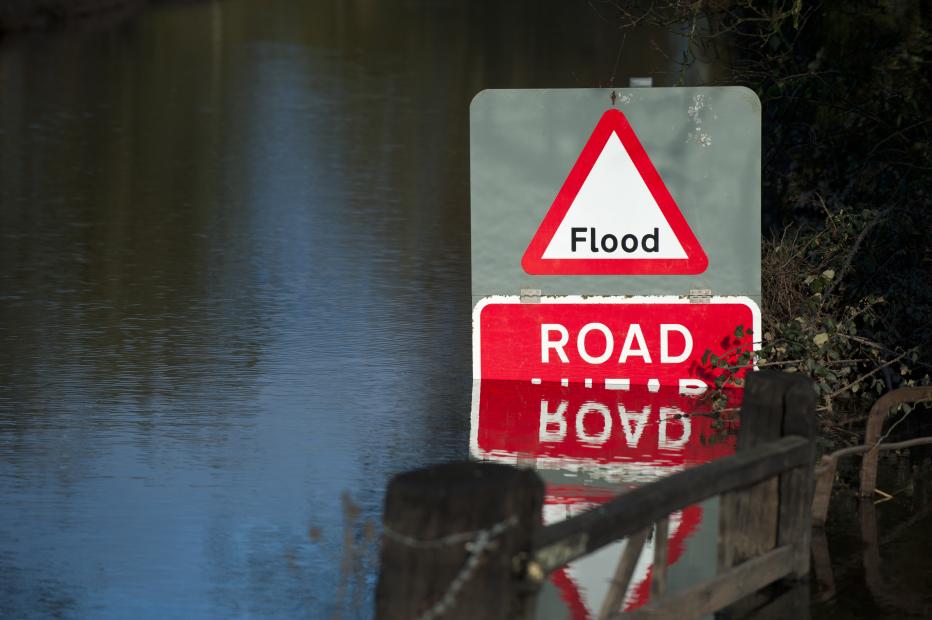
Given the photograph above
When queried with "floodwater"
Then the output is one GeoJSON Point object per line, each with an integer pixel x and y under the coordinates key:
{"type": "Point", "coordinates": [873, 560]}
{"type": "Point", "coordinates": [234, 286]}
{"type": "Point", "coordinates": [234, 295]}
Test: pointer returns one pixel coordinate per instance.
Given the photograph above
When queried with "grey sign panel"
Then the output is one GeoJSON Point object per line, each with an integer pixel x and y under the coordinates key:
{"type": "Point", "coordinates": [704, 143]}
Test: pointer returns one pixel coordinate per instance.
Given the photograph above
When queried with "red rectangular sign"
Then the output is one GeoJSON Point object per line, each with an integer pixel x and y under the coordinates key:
{"type": "Point", "coordinates": [610, 342]}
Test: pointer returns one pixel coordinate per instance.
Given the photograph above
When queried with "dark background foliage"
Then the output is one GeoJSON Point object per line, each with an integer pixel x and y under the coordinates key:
{"type": "Point", "coordinates": [847, 189]}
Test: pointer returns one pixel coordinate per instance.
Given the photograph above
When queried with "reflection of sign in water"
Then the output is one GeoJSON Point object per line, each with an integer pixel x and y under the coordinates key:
{"type": "Point", "coordinates": [583, 584]}
{"type": "Point", "coordinates": [590, 444]}
{"type": "Point", "coordinates": [610, 342]}
{"type": "Point", "coordinates": [649, 433]}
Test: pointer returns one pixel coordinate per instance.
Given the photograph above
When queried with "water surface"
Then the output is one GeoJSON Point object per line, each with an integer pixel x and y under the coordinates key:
{"type": "Point", "coordinates": [234, 279]}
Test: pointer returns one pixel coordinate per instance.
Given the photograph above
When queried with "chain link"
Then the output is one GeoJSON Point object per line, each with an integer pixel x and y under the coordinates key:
{"type": "Point", "coordinates": [475, 542]}
{"type": "Point", "coordinates": [452, 539]}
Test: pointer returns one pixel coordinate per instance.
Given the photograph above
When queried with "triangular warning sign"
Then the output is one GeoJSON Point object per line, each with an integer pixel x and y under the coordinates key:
{"type": "Point", "coordinates": [614, 215]}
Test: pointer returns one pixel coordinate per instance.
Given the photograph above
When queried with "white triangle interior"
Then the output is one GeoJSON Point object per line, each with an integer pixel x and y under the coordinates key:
{"type": "Point", "coordinates": [614, 201]}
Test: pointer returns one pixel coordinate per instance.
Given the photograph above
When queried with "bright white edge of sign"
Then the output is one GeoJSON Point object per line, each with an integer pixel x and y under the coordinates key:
{"type": "Point", "coordinates": [611, 472]}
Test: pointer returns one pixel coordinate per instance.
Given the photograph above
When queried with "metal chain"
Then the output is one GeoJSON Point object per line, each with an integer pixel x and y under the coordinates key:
{"type": "Point", "coordinates": [452, 539]}
{"type": "Point", "coordinates": [475, 542]}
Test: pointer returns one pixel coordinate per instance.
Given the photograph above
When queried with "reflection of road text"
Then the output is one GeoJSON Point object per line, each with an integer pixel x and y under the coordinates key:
{"type": "Point", "coordinates": [631, 432]}
{"type": "Point", "coordinates": [589, 433]}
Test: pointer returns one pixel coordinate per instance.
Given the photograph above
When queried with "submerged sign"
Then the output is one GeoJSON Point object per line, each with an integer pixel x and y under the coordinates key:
{"type": "Point", "coordinates": [595, 214]}
{"type": "Point", "coordinates": [615, 248]}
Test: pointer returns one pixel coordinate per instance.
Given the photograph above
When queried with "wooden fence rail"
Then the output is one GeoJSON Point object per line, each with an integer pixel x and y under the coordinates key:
{"type": "Point", "coordinates": [825, 472]}
{"type": "Point", "coordinates": [875, 419]}
{"type": "Point", "coordinates": [626, 515]}
{"type": "Point", "coordinates": [465, 540]}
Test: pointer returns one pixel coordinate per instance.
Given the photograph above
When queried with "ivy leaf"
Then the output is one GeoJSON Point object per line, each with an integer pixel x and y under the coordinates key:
{"type": "Point", "coordinates": [820, 339]}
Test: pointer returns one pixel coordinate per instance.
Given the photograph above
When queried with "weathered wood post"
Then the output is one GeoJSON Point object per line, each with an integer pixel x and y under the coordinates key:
{"type": "Point", "coordinates": [455, 541]}
{"type": "Point", "coordinates": [798, 485]}
{"type": "Point", "coordinates": [824, 481]}
{"type": "Point", "coordinates": [775, 512]}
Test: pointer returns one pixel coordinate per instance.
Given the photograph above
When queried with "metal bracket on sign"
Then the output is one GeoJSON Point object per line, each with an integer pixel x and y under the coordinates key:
{"type": "Point", "coordinates": [530, 295]}
{"type": "Point", "coordinates": [700, 295]}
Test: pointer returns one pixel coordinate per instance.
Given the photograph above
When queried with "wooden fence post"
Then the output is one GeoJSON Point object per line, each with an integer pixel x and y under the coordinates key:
{"type": "Point", "coordinates": [797, 485]}
{"type": "Point", "coordinates": [748, 517]}
{"type": "Point", "coordinates": [775, 512]}
{"type": "Point", "coordinates": [455, 540]}
{"type": "Point", "coordinates": [825, 480]}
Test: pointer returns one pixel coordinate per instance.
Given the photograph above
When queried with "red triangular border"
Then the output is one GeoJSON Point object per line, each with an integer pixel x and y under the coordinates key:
{"type": "Point", "coordinates": [533, 262]}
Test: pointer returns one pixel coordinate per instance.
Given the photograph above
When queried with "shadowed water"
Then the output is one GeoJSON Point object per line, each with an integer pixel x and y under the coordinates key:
{"type": "Point", "coordinates": [234, 284]}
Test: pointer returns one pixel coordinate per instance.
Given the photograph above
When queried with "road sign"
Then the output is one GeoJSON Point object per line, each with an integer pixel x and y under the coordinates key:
{"type": "Point", "coordinates": [665, 190]}
{"type": "Point", "coordinates": [614, 215]}
{"type": "Point", "coordinates": [610, 342]}
{"type": "Point", "coordinates": [595, 214]}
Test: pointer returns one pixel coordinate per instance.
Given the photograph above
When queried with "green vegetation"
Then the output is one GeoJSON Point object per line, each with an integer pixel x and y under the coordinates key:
{"type": "Point", "coordinates": [847, 257]}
